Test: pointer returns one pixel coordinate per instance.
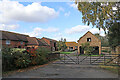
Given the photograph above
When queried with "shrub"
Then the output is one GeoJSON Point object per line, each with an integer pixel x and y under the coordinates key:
{"type": "Point", "coordinates": [14, 58]}
{"type": "Point", "coordinates": [7, 59]}
{"type": "Point", "coordinates": [42, 54]}
{"type": "Point", "coordinates": [21, 59]}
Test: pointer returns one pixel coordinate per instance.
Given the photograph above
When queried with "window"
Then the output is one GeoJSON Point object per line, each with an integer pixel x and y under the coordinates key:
{"type": "Point", "coordinates": [88, 39]}
{"type": "Point", "coordinates": [21, 42]}
{"type": "Point", "coordinates": [7, 41]}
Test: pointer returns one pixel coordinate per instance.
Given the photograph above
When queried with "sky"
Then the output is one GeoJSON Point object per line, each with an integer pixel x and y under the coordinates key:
{"type": "Point", "coordinates": [54, 20]}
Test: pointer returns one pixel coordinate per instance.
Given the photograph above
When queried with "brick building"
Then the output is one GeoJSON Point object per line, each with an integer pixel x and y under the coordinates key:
{"type": "Point", "coordinates": [52, 43]}
{"type": "Point", "coordinates": [13, 40]}
{"type": "Point", "coordinates": [71, 45]}
{"type": "Point", "coordinates": [92, 40]}
{"type": "Point", "coordinates": [34, 42]}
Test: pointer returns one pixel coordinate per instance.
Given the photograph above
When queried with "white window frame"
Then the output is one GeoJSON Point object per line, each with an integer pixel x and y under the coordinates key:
{"type": "Point", "coordinates": [7, 41]}
{"type": "Point", "coordinates": [89, 40]}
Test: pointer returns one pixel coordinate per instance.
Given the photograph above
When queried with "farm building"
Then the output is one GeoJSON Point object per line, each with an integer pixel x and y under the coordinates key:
{"type": "Point", "coordinates": [92, 40]}
{"type": "Point", "coordinates": [13, 40]}
{"type": "Point", "coordinates": [71, 45]}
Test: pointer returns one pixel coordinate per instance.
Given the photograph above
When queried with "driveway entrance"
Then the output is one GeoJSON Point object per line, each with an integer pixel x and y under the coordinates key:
{"type": "Point", "coordinates": [75, 58]}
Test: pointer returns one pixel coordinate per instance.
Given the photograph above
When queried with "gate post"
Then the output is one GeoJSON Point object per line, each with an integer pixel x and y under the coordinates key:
{"type": "Point", "coordinates": [90, 58]}
{"type": "Point", "coordinates": [104, 59]}
{"type": "Point", "coordinates": [64, 58]}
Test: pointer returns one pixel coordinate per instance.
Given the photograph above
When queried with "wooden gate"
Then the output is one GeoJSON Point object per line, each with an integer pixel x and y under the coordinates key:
{"type": "Point", "coordinates": [108, 59]}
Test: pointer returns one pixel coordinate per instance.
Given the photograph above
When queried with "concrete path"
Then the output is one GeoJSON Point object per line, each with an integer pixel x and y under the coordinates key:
{"type": "Point", "coordinates": [65, 71]}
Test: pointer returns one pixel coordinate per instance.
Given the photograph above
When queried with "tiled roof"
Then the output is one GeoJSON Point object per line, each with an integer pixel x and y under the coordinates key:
{"type": "Point", "coordinates": [71, 43]}
{"type": "Point", "coordinates": [32, 41]}
{"type": "Point", "coordinates": [6, 35]}
{"type": "Point", "coordinates": [42, 42]}
{"type": "Point", "coordinates": [49, 39]}
{"type": "Point", "coordinates": [36, 41]}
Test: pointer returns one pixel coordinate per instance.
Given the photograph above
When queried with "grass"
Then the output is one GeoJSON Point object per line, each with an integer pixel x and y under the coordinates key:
{"type": "Point", "coordinates": [91, 55]}
{"type": "Point", "coordinates": [113, 69]}
{"type": "Point", "coordinates": [65, 52]}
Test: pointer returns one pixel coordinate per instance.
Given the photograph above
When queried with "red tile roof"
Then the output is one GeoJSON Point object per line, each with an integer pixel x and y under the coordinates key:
{"type": "Point", "coordinates": [6, 35]}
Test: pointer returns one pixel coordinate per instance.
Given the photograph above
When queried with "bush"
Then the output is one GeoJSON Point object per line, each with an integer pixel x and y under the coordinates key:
{"type": "Point", "coordinates": [21, 59]}
{"type": "Point", "coordinates": [14, 58]}
{"type": "Point", "coordinates": [42, 54]}
{"type": "Point", "coordinates": [7, 59]}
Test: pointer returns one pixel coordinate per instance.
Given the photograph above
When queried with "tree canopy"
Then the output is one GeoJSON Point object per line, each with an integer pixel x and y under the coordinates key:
{"type": "Point", "coordinates": [61, 44]}
{"type": "Point", "coordinates": [99, 14]}
{"type": "Point", "coordinates": [114, 35]}
{"type": "Point", "coordinates": [104, 40]}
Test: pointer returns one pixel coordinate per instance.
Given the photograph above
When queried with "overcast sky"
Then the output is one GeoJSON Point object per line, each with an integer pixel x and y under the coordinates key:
{"type": "Point", "coordinates": [44, 19]}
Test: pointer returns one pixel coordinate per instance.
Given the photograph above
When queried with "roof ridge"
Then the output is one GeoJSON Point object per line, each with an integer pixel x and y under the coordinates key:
{"type": "Point", "coordinates": [86, 33]}
{"type": "Point", "coordinates": [14, 33]}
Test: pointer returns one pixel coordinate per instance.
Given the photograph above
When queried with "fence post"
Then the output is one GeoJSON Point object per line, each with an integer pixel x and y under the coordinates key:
{"type": "Point", "coordinates": [104, 59]}
{"type": "Point", "coordinates": [64, 58]}
{"type": "Point", "coordinates": [90, 58]}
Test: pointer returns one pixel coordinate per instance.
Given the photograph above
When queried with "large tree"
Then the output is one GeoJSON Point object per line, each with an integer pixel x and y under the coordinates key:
{"type": "Point", "coordinates": [104, 40]}
{"type": "Point", "coordinates": [114, 35]}
{"type": "Point", "coordinates": [105, 15]}
{"type": "Point", "coordinates": [99, 14]}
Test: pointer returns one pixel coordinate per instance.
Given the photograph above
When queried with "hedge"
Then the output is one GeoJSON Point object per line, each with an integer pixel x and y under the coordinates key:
{"type": "Point", "coordinates": [14, 58]}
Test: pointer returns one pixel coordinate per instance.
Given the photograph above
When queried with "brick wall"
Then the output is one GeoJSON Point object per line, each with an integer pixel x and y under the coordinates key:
{"type": "Point", "coordinates": [94, 41]}
{"type": "Point", "coordinates": [13, 44]}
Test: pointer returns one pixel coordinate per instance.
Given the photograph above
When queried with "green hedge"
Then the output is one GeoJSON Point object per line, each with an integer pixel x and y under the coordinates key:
{"type": "Point", "coordinates": [20, 58]}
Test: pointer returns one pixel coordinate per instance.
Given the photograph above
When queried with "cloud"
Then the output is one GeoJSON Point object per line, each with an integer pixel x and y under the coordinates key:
{"type": "Point", "coordinates": [38, 31]}
{"type": "Point", "coordinates": [73, 5]}
{"type": "Point", "coordinates": [11, 11]}
{"type": "Point", "coordinates": [83, 29]}
{"type": "Point", "coordinates": [8, 27]}
{"type": "Point", "coordinates": [67, 14]}
{"type": "Point", "coordinates": [61, 9]}
{"type": "Point", "coordinates": [77, 29]}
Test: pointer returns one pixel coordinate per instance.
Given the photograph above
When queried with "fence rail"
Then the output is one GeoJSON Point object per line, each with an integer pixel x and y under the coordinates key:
{"type": "Point", "coordinates": [107, 59]}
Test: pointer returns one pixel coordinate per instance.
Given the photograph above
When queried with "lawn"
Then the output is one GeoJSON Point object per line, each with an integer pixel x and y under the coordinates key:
{"type": "Point", "coordinates": [91, 55]}
{"type": "Point", "coordinates": [65, 52]}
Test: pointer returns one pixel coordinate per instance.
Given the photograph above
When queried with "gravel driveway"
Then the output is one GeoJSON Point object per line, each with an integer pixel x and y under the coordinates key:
{"type": "Point", "coordinates": [65, 71]}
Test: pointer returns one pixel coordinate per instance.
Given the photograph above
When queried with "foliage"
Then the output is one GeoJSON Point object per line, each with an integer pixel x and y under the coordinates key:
{"type": "Point", "coordinates": [61, 44]}
{"type": "Point", "coordinates": [65, 52]}
{"type": "Point", "coordinates": [16, 58]}
{"type": "Point", "coordinates": [99, 14]}
{"type": "Point", "coordinates": [42, 54]}
{"type": "Point", "coordinates": [7, 59]}
{"type": "Point", "coordinates": [106, 51]}
{"type": "Point", "coordinates": [114, 35]}
{"type": "Point", "coordinates": [87, 48]}
{"type": "Point", "coordinates": [102, 15]}
{"type": "Point", "coordinates": [21, 59]}
{"type": "Point", "coordinates": [17, 49]}
{"type": "Point", "coordinates": [104, 40]}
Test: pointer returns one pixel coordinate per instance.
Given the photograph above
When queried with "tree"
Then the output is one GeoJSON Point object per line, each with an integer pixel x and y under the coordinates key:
{"type": "Point", "coordinates": [61, 44]}
{"type": "Point", "coordinates": [87, 48]}
{"type": "Point", "coordinates": [99, 14]}
{"type": "Point", "coordinates": [102, 15]}
{"type": "Point", "coordinates": [104, 40]}
{"type": "Point", "coordinates": [114, 35]}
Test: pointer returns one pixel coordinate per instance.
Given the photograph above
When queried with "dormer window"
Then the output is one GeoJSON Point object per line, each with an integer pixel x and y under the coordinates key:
{"type": "Point", "coordinates": [88, 39]}
{"type": "Point", "coordinates": [7, 41]}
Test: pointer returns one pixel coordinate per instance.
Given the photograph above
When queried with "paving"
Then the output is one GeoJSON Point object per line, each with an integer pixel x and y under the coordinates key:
{"type": "Point", "coordinates": [53, 70]}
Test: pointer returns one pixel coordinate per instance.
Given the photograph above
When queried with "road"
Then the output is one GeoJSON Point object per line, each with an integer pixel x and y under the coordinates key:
{"type": "Point", "coordinates": [53, 70]}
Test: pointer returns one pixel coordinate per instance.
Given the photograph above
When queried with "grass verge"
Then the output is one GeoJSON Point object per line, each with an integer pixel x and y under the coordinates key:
{"type": "Point", "coordinates": [113, 69]}
{"type": "Point", "coordinates": [65, 52]}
